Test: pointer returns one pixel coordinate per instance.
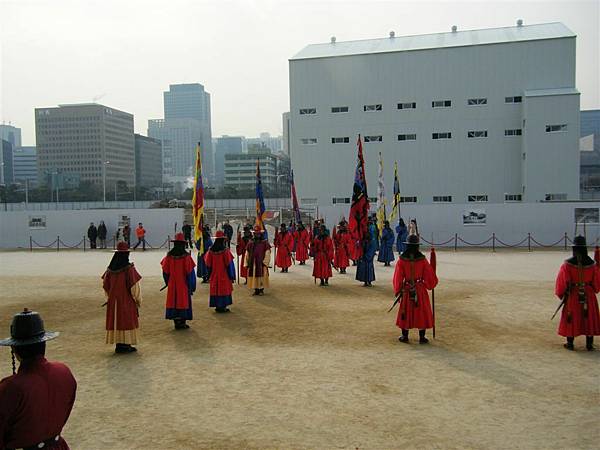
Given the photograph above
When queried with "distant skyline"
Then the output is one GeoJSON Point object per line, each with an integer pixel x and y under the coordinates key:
{"type": "Point", "coordinates": [125, 54]}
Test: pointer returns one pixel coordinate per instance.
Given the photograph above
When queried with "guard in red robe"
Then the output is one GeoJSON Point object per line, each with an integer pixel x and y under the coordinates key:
{"type": "Point", "coordinates": [323, 251]}
{"type": "Point", "coordinates": [302, 244]}
{"type": "Point", "coordinates": [577, 284]}
{"type": "Point", "coordinates": [36, 401]}
{"type": "Point", "coordinates": [284, 243]}
{"type": "Point", "coordinates": [413, 277]}
{"type": "Point", "coordinates": [258, 259]}
{"type": "Point", "coordinates": [342, 244]}
{"type": "Point", "coordinates": [180, 279]}
{"type": "Point", "coordinates": [240, 250]}
{"type": "Point", "coordinates": [219, 261]}
{"type": "Point", "coordinates": [121, 284]}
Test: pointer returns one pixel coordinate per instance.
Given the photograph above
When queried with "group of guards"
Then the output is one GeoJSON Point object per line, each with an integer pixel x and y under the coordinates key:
{"type": "Point", "coordinates": [36, 401]}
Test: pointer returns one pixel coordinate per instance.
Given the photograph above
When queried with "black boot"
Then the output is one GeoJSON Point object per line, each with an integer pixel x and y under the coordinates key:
{"type": "Point", "coordinates": [569, 345]}
{"type": "Point", "coordinates": [589, 343]}
{"type": "Point", "coordinates": [422, 338]}
{"type": "Point", "coordinates": [261, 291]}
{"type": "Point", "coordinates": [256, 292]}
{"type": "Point", "coordinates": [326, 281]}
{"type": "Point", "coordinates": [404, 337]}
{"type": "Point", "coordinates": [322, 282]}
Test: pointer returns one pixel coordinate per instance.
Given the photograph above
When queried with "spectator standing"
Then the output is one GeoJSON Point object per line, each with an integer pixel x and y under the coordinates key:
{"type": "Point", "coordinates": [127, 234]}
{"type": "Point", "coordinates": [187, 234]}
{"type": "Point", "coordinates": [228, 231]}
{"type": "Point", "coordinates": [140, 233]}
{"type": "Point", "coordinates": [102, 234]}
{"type": "Point", "coordinates": [92, 234]}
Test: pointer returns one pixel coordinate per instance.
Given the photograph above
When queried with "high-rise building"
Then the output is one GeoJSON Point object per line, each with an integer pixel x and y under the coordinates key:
{"type": "Point", "coordinates": [11, 134]}
{"type": "Point", "coordinates": [191, 102]}
{"type": "Point", "coordinates": [273, 143]}
{"type": "Point", "coordinates": [6, 163]}
{"type": "Point", "coordinates": [286, 133]}
{"type": "Point", "coordinates": [240, 169]}
{"type": "Point", "coordinates": [489, 115]}
{"type": "Point", "coordinates": [179, 138]}
{"type": "Point", "coordinates": [25, 166]}
{"type": "Point", "coordinates": [226, 145]}
{"type": "Point", "coordinates": [148, 162]}
{"type": "Point", "coordinates": [88, 142]}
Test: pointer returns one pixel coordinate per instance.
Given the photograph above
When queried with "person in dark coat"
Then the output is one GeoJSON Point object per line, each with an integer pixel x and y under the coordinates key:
{"type": "Point", "coordinates": [36, 401]}
{"type": "Point", "coordinates": [386, 249]}
{"type": "Point", "coordinates": [402, 235]}
{"type": "Point", "coordinates": [365, 271]}
{"type": "Point", "coordinates": [228, 231]}
{"type": "Point", "coordinates": [92, 234]}
{"type": "Point", "coordinates": [102, 234]}
{"type": "Point", "coordinates": [127, 234]}
{"type": "Point", "coordinates": [187, 234]}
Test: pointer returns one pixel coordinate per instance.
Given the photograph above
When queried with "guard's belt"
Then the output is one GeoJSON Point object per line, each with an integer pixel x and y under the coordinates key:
{"type": "Point", "coordinates": [47, 444]}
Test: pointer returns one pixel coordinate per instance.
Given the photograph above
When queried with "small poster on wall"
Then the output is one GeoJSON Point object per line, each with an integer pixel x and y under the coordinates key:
{"type": "Point", "coordinates": [587, 215]}
{"type": "Point", "coordinates": [474, 216]}
{"type": "Point", "coordinates": [37, 222]}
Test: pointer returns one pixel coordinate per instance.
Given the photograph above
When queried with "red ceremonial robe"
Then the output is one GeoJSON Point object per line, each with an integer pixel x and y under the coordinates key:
{"type": "Point", "coordinates": [117, 284]}
{"type": "Point", "coordinates": [303, 241]}
{"type": "Point", "coordinates": [218, 262]}
{"type": "Point", "coordinates": [178, 268]}
{"type": "Point", "coordinates": [342, 244]}
{"type": "Point", "coordinates": [35, 404]}
{"type": "Point", "coordinates": [284, 243]}
{"type": "Point", "coordinates": [240, 249]}
{"type": "Point", "coordinates": [414, 314]}
{"type": "Point", "coordinates": [354, 248]}
{"type": "Point", "coordinates": [573, 321]}
{"type": "Point", "coordinates": [323, 251]}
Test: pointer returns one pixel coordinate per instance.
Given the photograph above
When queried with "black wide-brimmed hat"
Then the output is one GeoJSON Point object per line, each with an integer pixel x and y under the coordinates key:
{"type": "Point", "coordinates": [579, 242]}
{"type": "Point", "coordinates": [412, 239]}
{"type": "Point", "coordinates": [27, 328]}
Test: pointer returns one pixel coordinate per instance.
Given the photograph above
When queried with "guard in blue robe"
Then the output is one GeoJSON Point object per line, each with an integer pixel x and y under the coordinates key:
{"type": "Point", "coordinates": [203, 271]}
{"type": "Point", "coordinates": [386, 248]}
{"type": "Point", "coordinates": [365, 271]}
{"type": "Point", "coordinates": [402, 236]}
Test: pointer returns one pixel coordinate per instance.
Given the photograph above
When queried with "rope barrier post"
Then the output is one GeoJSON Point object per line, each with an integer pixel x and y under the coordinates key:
{"type": "Point", "coordinates": [57, 243]}
{"type": "Point", "coordinates": [30, 244]}
{"type": "Point", "coordinates": [529, 241]}
{"type": "Point", "coordinates": [493, 242]}
{"type": "Point", "coordinates": [455, 241]}
{"type": "Point", "coordinates": [83, 244]}
{"type": "Point", "coordinates": [168, 242]}
{"type": "Point", "coordinates": [565, 241]}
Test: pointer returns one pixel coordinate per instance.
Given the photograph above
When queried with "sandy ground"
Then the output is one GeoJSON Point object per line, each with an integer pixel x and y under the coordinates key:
{"type": "Point", "coordinates": [312, 367]}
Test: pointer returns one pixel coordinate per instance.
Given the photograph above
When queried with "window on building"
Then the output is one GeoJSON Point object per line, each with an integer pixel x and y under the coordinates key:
{"type": "Point", "coordinates": [516, 99]}
{"type": "Point", "coordinates": [373, 138]}
{"type": "Point", "coordinates": [441, 104]}
{"type": "Point", "coordinates": [477, 134]}
{"type": "Point", "coordinates": [553, 197]}
{"type": "Point", "coordinates": [477, 101]}
{"type": "Point", "coordinates": [407, 105]}
{"type": "Point", "coordinates": [307, 111]}
{"type": "Point", "coordinates": [477, 198]}
{"type": "Point", "coordinates": [308, 141]}
{"type": "Point", "coordinates": [513, 197]}
{"type": "Point", "coordinates": [407, 137]}
{"type": "Point", "coordinates": [514, 132]}
{"type": "Point", "coordinates": [340, 140]}
{"type": "Point", "coordinates": [442, 198]}
{"type": "Point", "coordinates": [408, 199]}
{"type": "Point", "coordinates": [337, 200]}
{"type": "Point", "coordinates": [446, 135]}
{"type": "Point", "coordinates": [339, 109]}
{"type": "Point", "coordinates": [556, 128]}
{"type": "Point", "coordinates": [370, 108]}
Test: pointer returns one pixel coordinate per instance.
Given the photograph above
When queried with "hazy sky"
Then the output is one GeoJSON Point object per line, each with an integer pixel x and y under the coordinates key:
{"type": "Point", "coordinates": [125, 53]}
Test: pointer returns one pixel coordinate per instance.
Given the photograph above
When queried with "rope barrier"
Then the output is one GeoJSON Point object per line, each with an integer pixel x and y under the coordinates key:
{"type": "Point", "coordinates": [548, 246]}
{"type": "Point", "coordinates": [71, 246]}
{"type": "Point", "coordinates": [513, 245]}
{"type": "Point", "coordinates": [475, 244]}
{"type": "Point", "coordinates": [44, 246]}
{"type": "Point", "coordinates": [441, 244]}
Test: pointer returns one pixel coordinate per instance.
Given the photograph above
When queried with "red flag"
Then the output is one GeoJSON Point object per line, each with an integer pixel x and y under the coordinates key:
{"type": "Point", "coordinates": [433, 260]}
{"type": "Point", "coordinates": [359, 211]}
{"type": "Point", "coordinates": [597, 255]}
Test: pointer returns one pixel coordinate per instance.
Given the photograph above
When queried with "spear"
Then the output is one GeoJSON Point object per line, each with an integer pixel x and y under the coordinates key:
{"type": "Point", "coordinates": [433, 262]}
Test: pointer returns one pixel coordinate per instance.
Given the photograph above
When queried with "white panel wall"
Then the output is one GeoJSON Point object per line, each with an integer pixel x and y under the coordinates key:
{"type": "Point", "coordinates": [71, 226]}
{"type": "Point", "coordinates": [456, 167]}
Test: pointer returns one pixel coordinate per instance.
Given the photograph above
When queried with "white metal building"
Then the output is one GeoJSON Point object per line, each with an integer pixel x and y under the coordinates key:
{"type": "Point", "coordinates": [476, 116]}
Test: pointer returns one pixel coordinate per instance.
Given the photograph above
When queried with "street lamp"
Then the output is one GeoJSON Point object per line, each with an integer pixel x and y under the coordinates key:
{"type": "Point", "coordinates": [104, 164]}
